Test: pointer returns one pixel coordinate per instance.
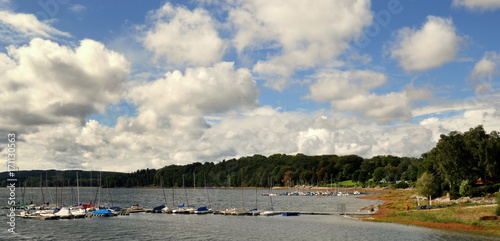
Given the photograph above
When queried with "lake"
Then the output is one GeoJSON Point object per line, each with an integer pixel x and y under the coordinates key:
{"type": "Point", "coordinates": [149, 226]}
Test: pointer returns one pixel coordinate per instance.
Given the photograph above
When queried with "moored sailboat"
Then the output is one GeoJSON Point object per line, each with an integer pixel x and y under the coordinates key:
{"type": "Point", "coordinates": [64, 213]}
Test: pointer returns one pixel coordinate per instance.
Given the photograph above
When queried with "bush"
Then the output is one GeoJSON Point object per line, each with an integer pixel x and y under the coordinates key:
{"type": "Point", "coordinates": [482, 191]}
{"type": "Point", "coordinates": [454, 194]}
{"type": "Point", "coordinates": [402, 185]}
{"type": "Point", "coordinates": [465, 189]}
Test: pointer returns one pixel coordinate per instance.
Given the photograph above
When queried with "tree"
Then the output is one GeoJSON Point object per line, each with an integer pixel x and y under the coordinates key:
{"type": "Point", "coordinates": [450, 156]}
{"type": "Point", "coordinates": [378, 174]}
{"type": "Point", "coordinates": [426, 186]}
{"type": "Point", "coordinates": [363, 177]}
{"type": "Point", "coordinates": [492, 156]}
{"type": "Point", "coordinates": [287, 179]}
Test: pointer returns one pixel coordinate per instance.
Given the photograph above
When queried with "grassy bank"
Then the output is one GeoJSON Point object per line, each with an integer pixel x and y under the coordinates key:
{"type": "Point", "coordinates": [465, 217]}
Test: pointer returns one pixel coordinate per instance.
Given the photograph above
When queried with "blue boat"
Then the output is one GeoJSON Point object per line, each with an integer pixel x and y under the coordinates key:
{"type": "Point", "coordinates": [203, 210]}
{"type": "Point", "coordinates": [158, 209]}
{"type": "Point", "coordinates": [103, 213]}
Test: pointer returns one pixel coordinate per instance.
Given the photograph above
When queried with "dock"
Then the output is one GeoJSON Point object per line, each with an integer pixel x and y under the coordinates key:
{"type": "Point", "coordinates": [294, 213]}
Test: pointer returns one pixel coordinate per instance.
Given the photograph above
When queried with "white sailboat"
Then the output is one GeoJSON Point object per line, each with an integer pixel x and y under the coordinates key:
{"type": "Point", "coordinates": [204, 209]}
{"type": "Point", "coordinates": [78, 211]}
{"type": "Point", "coordinates": [183, 209]}
{"type": "Point", "coordinates": [64, 213]}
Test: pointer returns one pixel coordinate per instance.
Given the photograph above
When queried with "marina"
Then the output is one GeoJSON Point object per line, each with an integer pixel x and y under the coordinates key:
{"type": "Point", "coordinates": [47, 211]}
{"type": "Point", "coordinates": [321, 217]}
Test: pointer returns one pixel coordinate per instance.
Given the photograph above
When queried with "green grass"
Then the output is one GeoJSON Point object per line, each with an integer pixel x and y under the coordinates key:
{"type": "Point", "coordinates": [462, 217]}
{"type": "Point", "coordinates": [348, 183]}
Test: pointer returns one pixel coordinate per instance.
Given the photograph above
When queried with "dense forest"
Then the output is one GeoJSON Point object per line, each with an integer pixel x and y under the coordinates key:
{"type": "Point", "coordinates": [461, 164]}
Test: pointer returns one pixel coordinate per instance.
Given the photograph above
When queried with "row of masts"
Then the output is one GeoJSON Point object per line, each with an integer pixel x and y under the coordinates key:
{"type": "Point", "coordinates": [48, 197]}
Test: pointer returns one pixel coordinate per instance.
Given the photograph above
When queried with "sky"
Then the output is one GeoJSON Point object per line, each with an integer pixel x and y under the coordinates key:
{"type": "Point", "coordinates": [128, 85]}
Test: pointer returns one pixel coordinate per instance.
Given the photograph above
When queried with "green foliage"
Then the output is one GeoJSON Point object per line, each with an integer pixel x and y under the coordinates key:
{"type": "Point", "coordinates": [426, 185]}
{"type": "Point", "coordinates": [378, 174]}
{"type": "Point", "coordinates": [465, 188]}
{"type": "Point", "coordinates": [465, 156]}
{"type": "Point", "coordinates": [402, 185]}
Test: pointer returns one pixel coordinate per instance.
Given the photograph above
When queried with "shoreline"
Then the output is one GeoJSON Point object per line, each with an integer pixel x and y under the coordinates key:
{"type": "Point", "coordinates": [464, 218]}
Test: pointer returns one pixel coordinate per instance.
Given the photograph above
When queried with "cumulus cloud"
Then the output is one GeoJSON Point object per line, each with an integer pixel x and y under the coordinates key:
{"type": "Point", "coordinates": [478, 5]}
{"type": "Point", "coordinates": [45, 83]}
{"type": "Point", "coordinates": [263, 130]}
{"type": "Point", "coordinates": [353, 91]}
{"type": "Point", "coordinates": [179, 101]}
{"type": "Point", "coordinates": [198, 91]}
{"type": "Point", "coordinates": [484, 72]}
{"type": "Point", "coordinates": [27, 26]}
{"type": "Point", "coordinates": [299, 35]}
{"type": "Point", "coordinates": [431, 46]}
{"type": "Point", "coordinates": [486, 67]}
{"type": "Point", "coordinates": [184, 37]}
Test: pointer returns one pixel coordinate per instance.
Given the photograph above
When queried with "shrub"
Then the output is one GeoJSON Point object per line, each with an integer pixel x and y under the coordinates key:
{"type": "Point", "coordinates": [454, 194]}
{"type": "Point", "coordinates": [402, 185]}
{"type": "Point", "coordinates": [465, 188]}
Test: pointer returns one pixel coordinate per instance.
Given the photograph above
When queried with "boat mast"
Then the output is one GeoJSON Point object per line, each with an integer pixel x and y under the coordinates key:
{"type": "Point", "coordinates": [61, 191]}
{"type": "Point", "coordinates": [194, 185]}
{"type": "Point", "coordinates": [185, 191]}
{"type": "Point", "coordinates": [41, 189]}
{"type": "Point", "coordinates": [242, 191]}
{"type": "Point", "coordinates": [173, 191]}
{"type": "Point", "coordinates": [48, 189]}
{"type": "Point", "coordinates": [99, 191]}
{"type": "Point", "coordinates": [164, 194]}
{"type": "Point", "coordinates": [256, 201]}
{"type": "Point", "coordinates": [77, 189]}
{"type": "Point", "coordinates": [205, 180]}
{"type": "Point", "coordinates": [109, 192]}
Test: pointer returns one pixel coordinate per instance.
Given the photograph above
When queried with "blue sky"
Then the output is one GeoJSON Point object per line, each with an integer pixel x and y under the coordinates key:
{"type": "Point", "coordinates": [123, 85]}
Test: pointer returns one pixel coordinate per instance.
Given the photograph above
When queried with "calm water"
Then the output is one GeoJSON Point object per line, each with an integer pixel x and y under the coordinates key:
{"type": "Point", "coordinates": [146, 226]}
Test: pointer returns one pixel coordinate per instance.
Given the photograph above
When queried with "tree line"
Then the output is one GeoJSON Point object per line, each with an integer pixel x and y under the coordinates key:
{"type": "Point", "coordinates": [277, 170]}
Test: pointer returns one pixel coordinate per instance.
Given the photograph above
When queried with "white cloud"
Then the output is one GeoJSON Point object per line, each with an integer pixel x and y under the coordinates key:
{"type": "Point", "coordinates": [299, 35]}
{"type": "Point", "coordinates": [184, 37]}
{"type": "Point", "coordinates": [45, 83]}
{"type": "Point", "coordinates": [27, 25]}
{"type": "Point", "coordinates": [179, 101]}
{"type": "Point", "coordinates": [262, 130]}
{"type": "Point", "coordinates": [478, 5]}
{"type": "Point", "coordinates": [484, 72]}
{"type": "Point", "coordinates": [486, 67]}
{"type": "Point", "coordinates": [198, 91]}
{"type": "Point", "coordinates": [352, 91]}
{"type": "Point", "coordinates": [435, 44]}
